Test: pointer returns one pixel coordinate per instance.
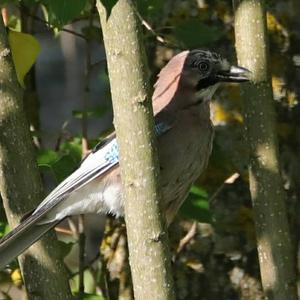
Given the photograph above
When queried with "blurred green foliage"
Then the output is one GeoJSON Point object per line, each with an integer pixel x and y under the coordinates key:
{"type": "Point", "coordinates": [226, 242]}
{"type": "Point", "coordinates": [196, 206]}
{"type": "Point", "coordinates": [61, 12]}
{"type": "Point", "coordinates": [194, 33]}
{"type": "Point", "coordinates": [63, 162]}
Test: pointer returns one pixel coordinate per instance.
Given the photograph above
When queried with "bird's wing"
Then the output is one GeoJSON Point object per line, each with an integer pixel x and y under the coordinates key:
{"type": "Point", "coordinates": [103, 157]}
{"type": "Point", "coordinates": [101, 160]}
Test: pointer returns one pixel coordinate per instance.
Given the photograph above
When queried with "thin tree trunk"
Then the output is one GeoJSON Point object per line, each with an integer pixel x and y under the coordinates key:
{"type": "Point", "coordinates": [20, 185]}
{"type": "Point", "coordinates": [274, 245]}
{"type": "Point", "coordinates": [147, 238]}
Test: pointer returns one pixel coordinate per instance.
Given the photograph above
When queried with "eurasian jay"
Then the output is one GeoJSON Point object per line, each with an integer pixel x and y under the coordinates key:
{"type": "Point", "coordinates": [184, 134]}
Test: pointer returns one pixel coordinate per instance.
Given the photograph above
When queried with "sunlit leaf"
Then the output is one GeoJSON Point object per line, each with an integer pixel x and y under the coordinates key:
{"type": "Point", "coordinates": [72, 148]}
{"type": "Point", "coordinates": [25, 49]}
{"type": "Point", "coordinates": [198, 191]}
{"type": "Point", "coordinates": [16, 277]}
{"type": "Point", "coordinates": [89, 286]}
{"type": "Point", "coordinates": [14, 23]}
{"type": "Point", "coordinates": [92, 297]}
{"type": "Point", "coordinates": [47, 157]}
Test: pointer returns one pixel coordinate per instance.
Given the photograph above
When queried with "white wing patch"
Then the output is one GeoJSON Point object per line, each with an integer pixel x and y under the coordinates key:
{"type": "Point", "coordinates": [94, 165]}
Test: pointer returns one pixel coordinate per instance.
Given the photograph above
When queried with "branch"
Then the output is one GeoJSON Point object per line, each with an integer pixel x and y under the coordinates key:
{"type": "Point", "coordinates": [147, 237]}
{"type": "Point", "coordinates": [40, 20]}
{"type": "Point", "coordinates": [21, 187]}
{"type": "Point", "coordinates": [276, 258]}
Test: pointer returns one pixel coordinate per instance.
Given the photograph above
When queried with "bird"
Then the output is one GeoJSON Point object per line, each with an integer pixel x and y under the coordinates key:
{"type": "Point", "coordinates": [181, 107]}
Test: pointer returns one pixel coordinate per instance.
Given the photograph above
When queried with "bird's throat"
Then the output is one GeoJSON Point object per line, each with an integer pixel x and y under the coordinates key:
{"type": "Point", "coordinates": [207, 93]}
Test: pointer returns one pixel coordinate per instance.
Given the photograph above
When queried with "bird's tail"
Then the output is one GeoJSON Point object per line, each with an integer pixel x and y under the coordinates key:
{"type": "Point", "coordinates": [22, 237]}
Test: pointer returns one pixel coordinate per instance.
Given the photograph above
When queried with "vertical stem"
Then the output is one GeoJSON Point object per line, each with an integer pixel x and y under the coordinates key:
{"type": "Point", "coordinates": [21, 188]}
{"type": "Point", "coordinates": [84, 121]}
{"type": "Point", "coordinates": [274, 245]}
{"type": "Point", "coordinates": [85, 149]}
{"type": "Point", "coordinates": [81, 241]}
{"type": "Point", "coordinates": [128, 72]}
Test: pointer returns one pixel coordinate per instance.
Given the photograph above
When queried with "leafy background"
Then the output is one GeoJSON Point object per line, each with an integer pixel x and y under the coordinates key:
{"type": "Point", "coordinates": [58, 53]}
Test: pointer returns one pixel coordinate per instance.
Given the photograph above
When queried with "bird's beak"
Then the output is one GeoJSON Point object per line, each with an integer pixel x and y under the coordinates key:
{"type": "Point", "coordinates": [235, 74]}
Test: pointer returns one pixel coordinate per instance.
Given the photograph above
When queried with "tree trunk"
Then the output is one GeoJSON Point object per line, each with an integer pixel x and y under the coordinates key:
{"type": "Point", "coordinates": [273, 237]}
{"type": "Point", "coordinates": [147, 237]}
{"type": "Point", "coordinates": [20, 185]}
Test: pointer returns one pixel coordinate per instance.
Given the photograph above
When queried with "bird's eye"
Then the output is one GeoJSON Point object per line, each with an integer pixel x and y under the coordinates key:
{"type": "Point", "coordinates": [203, 66]}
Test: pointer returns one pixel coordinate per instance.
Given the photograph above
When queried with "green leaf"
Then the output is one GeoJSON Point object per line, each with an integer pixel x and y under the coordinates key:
{"type": "Point", "coordinates": [5, 2]}
{"type": "Point", "coordinates": [64, 167]}
{"type": "Point", "coordinates": [65, 248]}
{"type": "Point", "coordinates": [29, 3]}
{"type": "Point", "coordinates": [108, 4]}
{"type": "Point", "coordinates": [92, 297]}
{"type": "Point", "coordinates": [196, 206]}
{"type": "Point", "coordinates": [4, 229]}
{"type": "Point", "coordinates": [25, 49]}
{"type": "Point", "coordinates": [193, 33]}
{"type": "Point", "coordinates": [63, 162]}
{"type": "Point", "coordinates": [72, 148]}
{"type": "Point", "coordinates": [47, 157]}
{"type": "Point", "coordinates": [61, 12]}
{"type": "Point", "coordinates": [198, 191]}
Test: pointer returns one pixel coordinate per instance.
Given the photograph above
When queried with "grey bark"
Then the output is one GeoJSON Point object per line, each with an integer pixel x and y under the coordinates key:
{"type": "Point", "coordinates": [20, 185]}
{"type": "Point", "coordinates": [274, 245]}
{"type": "Point", "coordinates": [147, 237]}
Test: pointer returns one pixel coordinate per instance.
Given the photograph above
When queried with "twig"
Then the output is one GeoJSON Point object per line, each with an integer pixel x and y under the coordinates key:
{"type": "Point", "coordinates": [86, 265]}
{"type": "Point", "coordinates": [62, 230]}
{"type": "Point", "coordinates": [187, 238]}
{"type": "Point", "coordinates": [73, 228]}
{"type": "Point", "coordinates": [95, 65]}
{"type": "Point", "coordinates": [85, 150]}
{"type": "Point", "coordinates": [230, 180]}
{"type": "Point", "coordinates": [157, 36]}
{"type": "Point", "coordinates": [81, 255]}
{"type": "Point", "coordinates": [149, 27]}
{"type": "Point", "coordinates": [85, 98]}
{"type": "Point", "coordinates": [61, 134]}
{"type": "Point", "coordinates": [5, 15]}
{"type": "Point", "coordinates": [49, 24]}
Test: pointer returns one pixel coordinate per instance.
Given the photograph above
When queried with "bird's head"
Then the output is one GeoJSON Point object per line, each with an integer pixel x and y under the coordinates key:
{"type": "Point", "coordinates": [196, 74]}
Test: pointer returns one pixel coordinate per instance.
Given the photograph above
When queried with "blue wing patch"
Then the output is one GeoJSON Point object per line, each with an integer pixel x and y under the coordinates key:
{"type": "Point", "coordinates": [160, 128]}
{"type": "Point", "coordinates": [112, 155]}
